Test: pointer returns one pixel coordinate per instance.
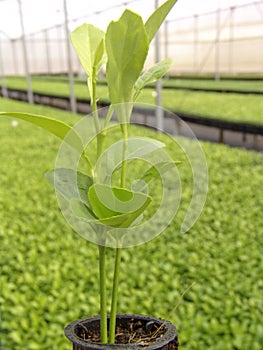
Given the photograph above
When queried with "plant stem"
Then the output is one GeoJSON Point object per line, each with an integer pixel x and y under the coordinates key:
{"type": "Point", "coordinates": [94, 108]}
{"type": "Point", "coordinates": [108, 116]}
{"type": "Point", "coordinates": [114, 299]}
{"type": "Point", "coordinates": [103, 300]}
{"type": "Point", "coordinates": [102, 248]}
{"type": "Point", "coordinates": [124, 153]}
{"type": "Point", "coordinates": [100, 142]}
{"type": "Point", "coordinates": [116, 279]}
{"type": "Point", "coordinates": [90, 166]}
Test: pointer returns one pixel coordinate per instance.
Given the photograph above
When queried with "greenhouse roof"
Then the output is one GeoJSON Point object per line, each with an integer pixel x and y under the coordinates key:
{"type": "Point", "coordinates": [40, 14]}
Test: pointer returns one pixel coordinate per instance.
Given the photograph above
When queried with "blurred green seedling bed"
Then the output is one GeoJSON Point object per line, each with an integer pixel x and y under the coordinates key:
{"type": "Point", "coordinates": [238, 108]}
{"type": "Point", "coordinates": [49, 274]}
{"type": "Point", "coordinates": [235, 85]}
{"type": "Point", "coordinates": [222, 76]}
{"type": "Point", "coordinates": [180, 82]}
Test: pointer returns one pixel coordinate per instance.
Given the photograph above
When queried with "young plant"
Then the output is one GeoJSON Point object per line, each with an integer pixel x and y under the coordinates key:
{"type": "Point", "coordinates": [108, 208]}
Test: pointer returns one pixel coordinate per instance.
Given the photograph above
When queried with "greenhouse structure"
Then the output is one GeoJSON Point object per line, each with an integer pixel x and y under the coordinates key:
{"type": "Point", "coordinates": [195, 144]}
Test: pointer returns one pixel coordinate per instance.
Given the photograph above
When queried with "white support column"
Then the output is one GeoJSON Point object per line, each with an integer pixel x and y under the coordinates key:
{"type": "Point", "coordinates": [196, 44]}
{"type": "Point", "coordinates": [217, 46]}
{"type": "Point", "coordinates": [47, 52]}
{"type": "Point", "coordinates": [59, 30]}
{"type": "Point", "coordinates": [159, 109]}
{"type": "Point", "coordinates": [2, 75]}
{"type": "Point", "coordinates": [69, 63]}
{"type": "Point", "coordinates": [26, 66]}
{"type": "Point", "coordinates": [14, 54]}
{"type": "Point", "coordinates": [166, 40]}
{"type": "Point", "coordinates": [231, 40]}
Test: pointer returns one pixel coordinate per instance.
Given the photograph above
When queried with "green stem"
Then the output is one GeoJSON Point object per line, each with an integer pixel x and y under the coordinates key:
{"type": "Point", "coordinates": [114, 300]}
{"type": "Point", "coordinates": [100, 142]}
{"type": "Point", "coordinates": [90, 166]}
{"type": "Point", "coordinates": [108, 116]}
{"type": "Point", "coordinates": [103, 300]}
{"type": "Point", "coordinates": [124, 154]}
{"type": "Point", "coordinates": [94, 108]}
{"type": "Point", "coordinates": [102, 248]}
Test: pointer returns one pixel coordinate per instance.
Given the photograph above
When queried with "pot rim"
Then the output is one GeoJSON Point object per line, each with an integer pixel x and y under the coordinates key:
{"type": "Point", "coordinates": [169, 335]}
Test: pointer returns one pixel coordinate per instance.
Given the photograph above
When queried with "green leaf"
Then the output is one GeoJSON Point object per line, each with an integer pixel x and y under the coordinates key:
{"type": "Point", "coordinates": [122, 220]}
{"type": "Point", "coordinates": [156, 19]}
{"type": "Point", "coordinates": [106, 200]}
{"type": "Point", "coordinates": [69, 183]}
{"type": "Point", "coordinates": [100, 55]}
{"type": "Point", "coordinates": [152, 75]}
{"type": "Point", "coordinates": [117, 207]}
{"type": "Point", "coordinates": [88, 42]}
{"type": "Point", "coordinates": [127, 48]}
{"type": "Point", "coordinates": [53, 126]}
{"type": "Point", "coordinates": [83, 212]}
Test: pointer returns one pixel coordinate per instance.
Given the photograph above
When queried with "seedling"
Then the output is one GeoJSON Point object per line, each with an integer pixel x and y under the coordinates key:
{"type": "Point", "coordinates": [110, 209]}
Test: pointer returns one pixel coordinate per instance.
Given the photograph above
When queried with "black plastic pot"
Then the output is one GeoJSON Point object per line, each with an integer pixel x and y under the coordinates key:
{"type": "Point", "coordinates": [168, 341]}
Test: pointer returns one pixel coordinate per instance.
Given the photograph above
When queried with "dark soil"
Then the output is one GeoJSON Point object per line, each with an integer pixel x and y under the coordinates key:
{"type": "Point", "coordinates": [131, 332]}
